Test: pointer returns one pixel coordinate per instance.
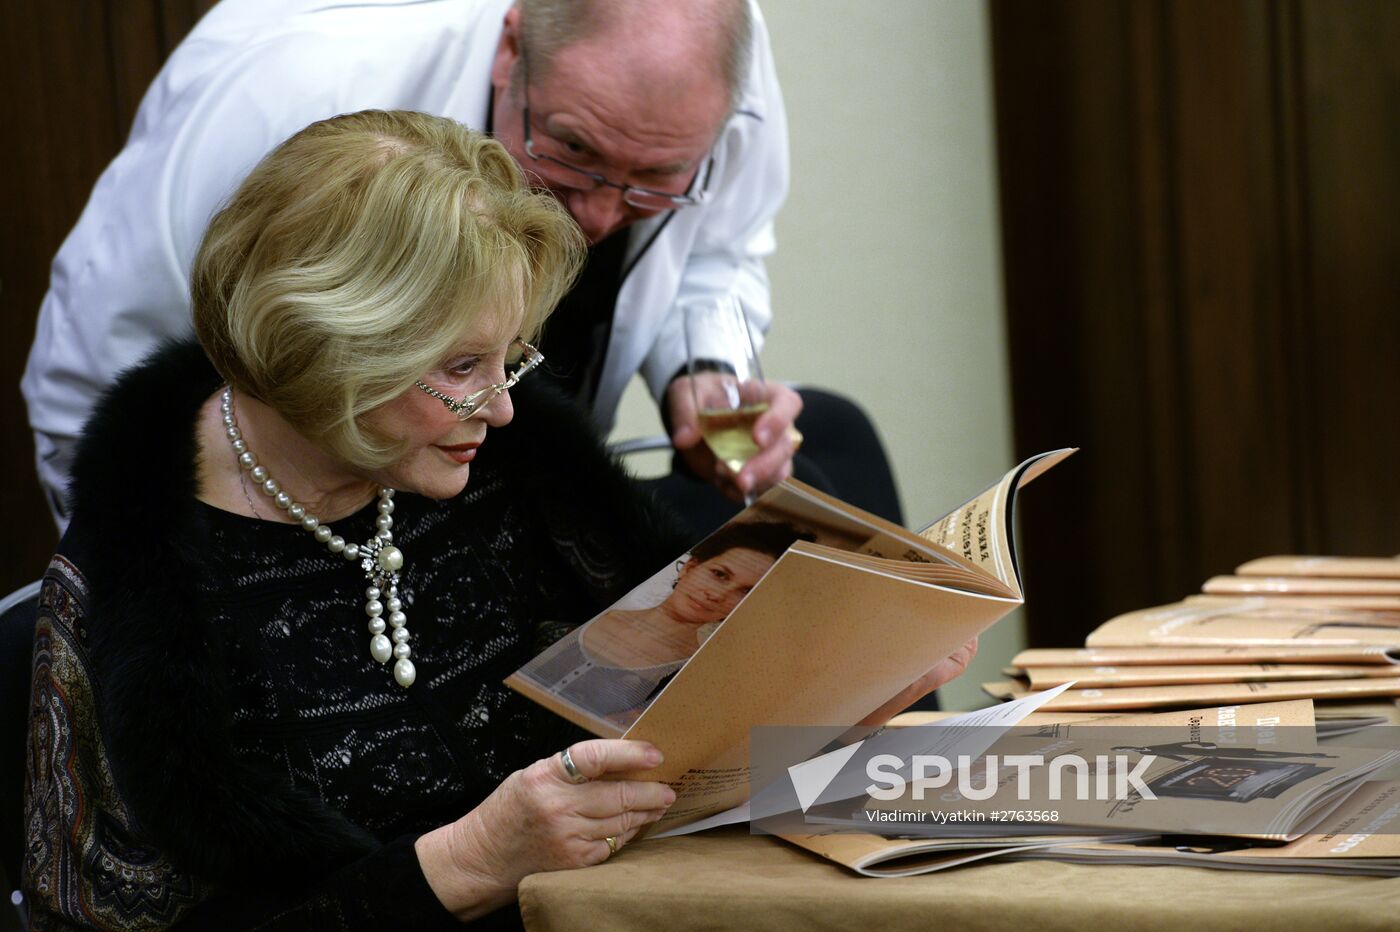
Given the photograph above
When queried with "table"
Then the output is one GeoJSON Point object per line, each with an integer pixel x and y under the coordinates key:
{"type": "Point", "coordinates": [729, 879]}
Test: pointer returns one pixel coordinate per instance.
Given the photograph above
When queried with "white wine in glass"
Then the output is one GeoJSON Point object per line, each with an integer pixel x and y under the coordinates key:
{"type": "Point", "coordinates": [725, 378]}
{"type": "Point", "coordinates": [729, 434]}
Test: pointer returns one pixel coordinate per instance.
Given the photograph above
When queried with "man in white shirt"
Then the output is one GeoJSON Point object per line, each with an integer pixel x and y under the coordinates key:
{"type": "Point", "coordinates": [659, 125]}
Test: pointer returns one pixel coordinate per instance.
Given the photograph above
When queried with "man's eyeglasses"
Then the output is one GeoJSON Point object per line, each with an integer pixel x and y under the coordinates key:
{"type": "Point", "coordinates": [560, 172]}
{"type": "Point", "coordinates": [476, 402]}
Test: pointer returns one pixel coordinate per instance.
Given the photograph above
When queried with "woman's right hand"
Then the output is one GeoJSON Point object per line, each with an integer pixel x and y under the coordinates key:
{"type": "Point", "coordinates": [540, 820]}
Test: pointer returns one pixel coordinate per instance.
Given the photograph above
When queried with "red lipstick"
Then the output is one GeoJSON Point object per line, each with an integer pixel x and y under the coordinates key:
{"type": "Point", "coordinates": [460, 452]}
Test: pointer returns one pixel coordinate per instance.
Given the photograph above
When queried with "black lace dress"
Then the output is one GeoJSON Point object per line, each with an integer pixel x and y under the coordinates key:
{"type": "Point", "coordinates": [310, 702]}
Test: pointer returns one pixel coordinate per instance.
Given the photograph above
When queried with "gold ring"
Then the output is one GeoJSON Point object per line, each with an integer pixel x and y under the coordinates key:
{"type": "Point", "coordinates": [612, 845]}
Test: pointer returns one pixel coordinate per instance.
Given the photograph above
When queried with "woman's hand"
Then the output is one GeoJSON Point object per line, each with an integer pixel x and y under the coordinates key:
{"type": "Point", "coordinates": [945, 671]}
{"type": "Point", "coordinates": [540, 820]}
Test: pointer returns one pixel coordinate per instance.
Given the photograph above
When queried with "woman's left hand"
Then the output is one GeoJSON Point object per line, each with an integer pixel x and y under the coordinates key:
{"type": "Point", "coordinates": [542, 819]}
{"type": "Point", "coordinates": [945, 671]}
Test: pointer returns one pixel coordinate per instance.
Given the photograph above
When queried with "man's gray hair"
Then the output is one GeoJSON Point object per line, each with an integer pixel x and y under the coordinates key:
{"type": "Point", "coordinates": [549, 25]}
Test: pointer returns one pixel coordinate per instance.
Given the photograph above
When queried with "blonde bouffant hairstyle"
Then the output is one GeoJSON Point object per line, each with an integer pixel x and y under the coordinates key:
{"type": "Point", "coordinates": [358, 253]}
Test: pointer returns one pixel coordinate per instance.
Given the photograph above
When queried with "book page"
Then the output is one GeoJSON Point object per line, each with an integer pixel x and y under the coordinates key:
{"type": "Point", "coordinates": [966, 578]}
{"type": "Point", "coordinates": [980, 531]}
{"type": "Point", "coordinates": [861, 531]}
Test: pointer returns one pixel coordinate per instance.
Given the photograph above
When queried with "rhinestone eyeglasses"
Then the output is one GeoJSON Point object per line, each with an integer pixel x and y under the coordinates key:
{"type": "Point", "coordinates": [477, 401]}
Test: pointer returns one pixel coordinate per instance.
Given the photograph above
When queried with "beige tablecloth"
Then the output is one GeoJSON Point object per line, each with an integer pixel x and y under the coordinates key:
{"type": "Point", "coordinates": [728, 879]}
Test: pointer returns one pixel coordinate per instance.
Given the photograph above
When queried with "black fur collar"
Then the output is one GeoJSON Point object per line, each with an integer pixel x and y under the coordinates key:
{"type": "Point", "coordinates": [163, 700]}
{"type": "Point", "coordinates": [165, 707]}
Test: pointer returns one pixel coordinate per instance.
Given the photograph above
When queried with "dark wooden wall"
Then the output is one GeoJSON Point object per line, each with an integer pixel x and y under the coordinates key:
{"type": "Point", "coordinates": [1202, 261]}
{"type": "Point", "coordinates": [74, 71]}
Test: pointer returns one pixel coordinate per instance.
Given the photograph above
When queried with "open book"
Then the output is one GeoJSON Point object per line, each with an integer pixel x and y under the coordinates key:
{"type": "Point", "coordinates": [802, 610]}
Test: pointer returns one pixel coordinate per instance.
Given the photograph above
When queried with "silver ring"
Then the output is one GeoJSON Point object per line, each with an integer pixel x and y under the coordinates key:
{"type": "Point", "coordinates": [612, 844]}
{"type": "Point", "coordinates": [571, 771]}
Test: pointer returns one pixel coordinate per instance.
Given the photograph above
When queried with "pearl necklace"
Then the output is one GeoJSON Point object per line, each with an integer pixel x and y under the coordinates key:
{"type": "Point", "coordinates": [379, 558]}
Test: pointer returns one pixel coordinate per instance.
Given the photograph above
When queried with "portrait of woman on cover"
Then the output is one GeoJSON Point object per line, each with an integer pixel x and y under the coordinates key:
{"type": "Point", "coordinates": [611, 666]}
{"type": "Point", "coordinates": [305, 552]}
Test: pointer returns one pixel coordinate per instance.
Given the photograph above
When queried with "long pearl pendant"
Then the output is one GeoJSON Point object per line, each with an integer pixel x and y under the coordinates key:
{"type": "Point", "coordinates": [380, 560]}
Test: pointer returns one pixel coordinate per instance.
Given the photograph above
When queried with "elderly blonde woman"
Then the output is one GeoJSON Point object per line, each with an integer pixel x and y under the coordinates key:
{"type": "Point", "coordinates": [267, 682]}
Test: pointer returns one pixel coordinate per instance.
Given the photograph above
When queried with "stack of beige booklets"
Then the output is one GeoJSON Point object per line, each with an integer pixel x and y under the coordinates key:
{"type": "Point", "coordinates": [1286, 627]}
{"type": "Point", "coordinates": [1292, 641]}
{"type": "Point", "coordinates": [1310, 643]}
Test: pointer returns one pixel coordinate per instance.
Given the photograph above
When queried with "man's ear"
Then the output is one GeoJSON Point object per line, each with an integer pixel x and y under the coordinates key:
{"type": "Point", "coordinates": [507, 51]}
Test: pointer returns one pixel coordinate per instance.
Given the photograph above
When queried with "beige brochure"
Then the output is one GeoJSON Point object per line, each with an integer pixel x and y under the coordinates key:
{"type": "Point", "coordinates": [1292, 712]}
{"type": "Point", "coordinates": [1144, 675]}
{"type": "Point", "coordinates": [1149, 697]}
{"type": "Point", "coordinates": [1381, 604]}
{"type": "Point", "coordinates": [1381, 711]}
{"type": "Point", "coordinates": [877, 856]}
{"type": "Point", "coordinates": [1347, 567]}
{"type": "Point", "coordinates": [1220, 621]}
{"type": "Point", "coordinates": [836, 626]}
{"type": "Point", "coordinates": [1333, 718]}
{"type": "Point", "coordinates": [1300, 585]}
{"type": "Point", "coordinates": [915, 719]}
{"type": "Point", "coordinates": [1362, 837]}
{"type": "Point", "coordinates": [1173, 655]}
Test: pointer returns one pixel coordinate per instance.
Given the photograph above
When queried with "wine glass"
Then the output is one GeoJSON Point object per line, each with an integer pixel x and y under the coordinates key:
{"type": "Point", "coordinates": [725, 378]}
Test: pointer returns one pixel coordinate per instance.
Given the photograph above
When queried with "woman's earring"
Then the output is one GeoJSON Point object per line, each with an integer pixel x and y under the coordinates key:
{"type": "Point", "coordinates": [681, 564]}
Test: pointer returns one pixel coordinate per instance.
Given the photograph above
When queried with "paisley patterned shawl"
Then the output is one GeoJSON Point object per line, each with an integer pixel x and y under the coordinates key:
{"type": "Point", "coordinates": [82, 860]}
